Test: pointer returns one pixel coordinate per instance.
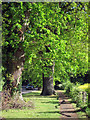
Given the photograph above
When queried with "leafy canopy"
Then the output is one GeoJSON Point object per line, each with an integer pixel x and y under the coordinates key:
{"type": "Point", "coordinates": [51, 33]}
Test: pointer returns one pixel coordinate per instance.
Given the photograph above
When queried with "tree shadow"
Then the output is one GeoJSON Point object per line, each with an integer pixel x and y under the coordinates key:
{"type": "Point", "coordinates": [50, 112]}
{"type": "Point", "coordinates": [35, 94]}
{"type": "Point", "coordinates": [65, 115]}
{"type": "Point", "coordinates": [62, 97]}
{"type": "Point", "coordinates": [81, 109]}
{"type": "Point", "coordinates": [74, 111]}
{"type": "Point", "coordinates": [72, 101]}
{"type": "Point", "coordinates": [67, 108]}
{"type": "Point", "coordinates": [31, 95]}
{"type": "Point", "coordinates": [53, 102]}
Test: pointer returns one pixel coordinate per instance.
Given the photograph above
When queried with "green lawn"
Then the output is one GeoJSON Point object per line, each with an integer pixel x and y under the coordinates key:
{"type": "Point", "coordinates": [44, 107]}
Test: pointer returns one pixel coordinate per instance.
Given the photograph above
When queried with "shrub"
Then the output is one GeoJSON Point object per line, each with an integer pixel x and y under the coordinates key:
{"type": "Point", "coordinates": [68, 87]}
{"type": "Point", "coordinates": [74, 93]}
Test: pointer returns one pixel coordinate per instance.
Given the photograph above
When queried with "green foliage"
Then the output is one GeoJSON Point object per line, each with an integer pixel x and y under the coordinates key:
{"type": "Point", "coordinates": [63, 32]}
{"type": "Point", "coordinates": [88, 111]}
{"type": "Point", "coordinates": [31, 75]}
{"type": "Point", "coordinates": [68, 86]}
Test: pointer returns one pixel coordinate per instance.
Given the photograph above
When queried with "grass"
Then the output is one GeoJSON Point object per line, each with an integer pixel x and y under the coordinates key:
{"type": "Point", "coordinates": [44, 107]}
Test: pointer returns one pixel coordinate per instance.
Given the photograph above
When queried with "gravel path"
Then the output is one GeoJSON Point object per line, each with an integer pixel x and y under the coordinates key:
{"type": "Point", "coordinates": [66, 109]}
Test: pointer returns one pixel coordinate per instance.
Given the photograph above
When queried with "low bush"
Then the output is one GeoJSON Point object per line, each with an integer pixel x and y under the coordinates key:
{"type": "Point", "coordinates": [67, 86]}
{"type": "Point", "coordinates": [74, 93]}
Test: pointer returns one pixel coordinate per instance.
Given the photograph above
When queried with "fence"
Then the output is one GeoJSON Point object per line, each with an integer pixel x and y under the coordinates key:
{"type": "Point", "coordinates": [83, 95]}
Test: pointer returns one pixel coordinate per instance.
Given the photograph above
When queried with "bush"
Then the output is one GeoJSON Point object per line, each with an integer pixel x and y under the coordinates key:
{"type": "Point", "coordinates": [68, 87]}
{"type": "Point", "coordinates": [74, 93]}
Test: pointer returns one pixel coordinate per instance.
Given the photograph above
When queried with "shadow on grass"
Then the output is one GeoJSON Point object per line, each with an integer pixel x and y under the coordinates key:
{"type": "Point", "coordinates": [53, 102]}
{"type": "Point", "coordinates": [55, 96]}
{"type": "Point", "coordinates": [73, 111]}
{"type": "Point", "coordinates": [67, 102]}
{"type": "Point", "coordinates": [36, 94]}
{"type": "Point", "coordinates": [31, 95]}
{"type": "Point", "coordinates": [50, 112]}
{"type": "Point", "coordinates": [65, 115]}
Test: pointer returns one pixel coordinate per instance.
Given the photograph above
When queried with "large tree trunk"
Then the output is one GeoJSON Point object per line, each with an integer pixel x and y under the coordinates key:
{"type": "Point", "coordinates": [14, 70]}
{"type": "Point", "coordinates": [48, 88]}
{"type": "Point", "coordinates": [14, 65]}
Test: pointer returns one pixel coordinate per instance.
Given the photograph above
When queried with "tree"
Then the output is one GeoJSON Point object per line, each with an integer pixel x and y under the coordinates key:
{"type": "Point", "coordinates": [41, 34]}
{"type": "Point", "coordinates": [69, 49]}
{"type": "Point", "coordinates": [12, 46]}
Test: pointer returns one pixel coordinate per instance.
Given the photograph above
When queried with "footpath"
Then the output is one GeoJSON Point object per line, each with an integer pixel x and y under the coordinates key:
{"type": "Point", "coordinates": [66, 109]}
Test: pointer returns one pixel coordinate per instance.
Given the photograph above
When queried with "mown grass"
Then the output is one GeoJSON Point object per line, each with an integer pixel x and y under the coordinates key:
{"type": "Point", "coordinates": [44, 107]}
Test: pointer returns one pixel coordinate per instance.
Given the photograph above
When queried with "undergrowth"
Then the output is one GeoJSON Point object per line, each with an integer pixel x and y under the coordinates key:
{"type": "Point", "coordinates": [14, 102]}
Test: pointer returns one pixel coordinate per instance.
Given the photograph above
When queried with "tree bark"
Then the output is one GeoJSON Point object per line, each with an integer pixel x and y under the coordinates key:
{"type": "Point", "coordinates": [48, 87]}
{"type": "Point", "coordinates": [14, 65]}
{"type": "Point", "coordinates": [14, 70]}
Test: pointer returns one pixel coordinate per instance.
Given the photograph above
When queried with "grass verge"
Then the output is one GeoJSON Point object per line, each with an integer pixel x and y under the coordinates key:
{"type": "Point", "coordinates": [44, 107]}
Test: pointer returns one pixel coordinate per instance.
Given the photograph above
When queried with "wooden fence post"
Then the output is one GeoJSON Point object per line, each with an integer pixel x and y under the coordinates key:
{"type": "Point", "coordinates": [84, 95]}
